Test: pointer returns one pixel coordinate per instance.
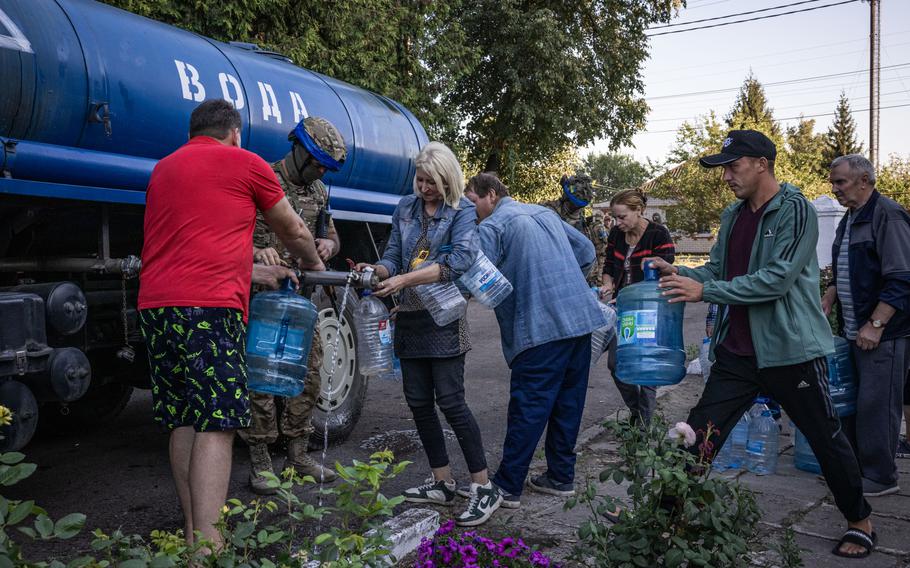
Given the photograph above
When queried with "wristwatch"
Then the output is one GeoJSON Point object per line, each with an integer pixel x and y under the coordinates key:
{"type": "Point", "coordinates": [877, 324]}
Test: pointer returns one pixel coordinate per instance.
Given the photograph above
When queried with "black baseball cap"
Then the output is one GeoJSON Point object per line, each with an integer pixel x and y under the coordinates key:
{"type": "Point", "coordinates": [739, 143]}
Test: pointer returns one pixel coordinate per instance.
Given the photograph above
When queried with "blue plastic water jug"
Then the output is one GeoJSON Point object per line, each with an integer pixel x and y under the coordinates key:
{"type": "Point", "coordinates": [842, 378]}
{"type": "Point", "coordinates": [650, 350]}
{"type": "Point", "coordinates": [278, 343]}
{"type": "Point", "coordinates": [803, 458]}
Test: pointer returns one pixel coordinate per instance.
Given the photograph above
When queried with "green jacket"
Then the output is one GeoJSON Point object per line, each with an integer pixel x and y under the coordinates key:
{"type": "Point", "coordinates": [781, 288]}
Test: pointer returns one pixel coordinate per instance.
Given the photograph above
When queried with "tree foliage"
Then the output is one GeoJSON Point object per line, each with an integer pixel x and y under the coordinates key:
{"type": "Point", "coordinates": [613, 172]}
{"type": "Point", "coordinates": [894, 180]}
{"type": "Point", "coordinates": [550, 75]}
{"type": "Point", "coordinates": [840, 139]}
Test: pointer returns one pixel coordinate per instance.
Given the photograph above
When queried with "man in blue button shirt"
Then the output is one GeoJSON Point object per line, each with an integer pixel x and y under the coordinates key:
{"type": "Point", "coordinates": [546, 326]}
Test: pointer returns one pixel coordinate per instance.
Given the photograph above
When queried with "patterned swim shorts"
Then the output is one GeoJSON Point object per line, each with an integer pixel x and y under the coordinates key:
{"type": "Point", "coordinates": [198, 367]}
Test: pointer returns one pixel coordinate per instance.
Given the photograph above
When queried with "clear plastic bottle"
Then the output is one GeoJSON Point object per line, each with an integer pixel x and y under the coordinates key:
{"type": "Point", "coordinates": [704, 359]}
{"type": "Point", "coordinates": [803, 458]}
{"type": "Point", "coordinates": [601, 337]}
{"type": "Point", "coordinates": [393, 374]}
{"type": "Point", "coordinates": [443, 300]}
{"type": "Point", "coordinates": [764, 441]}
{"type": "Point", "coordinates": [374, 336]}
{"type": "Point", "coordinates": [485, 282]}
{"type": "Point", "coordinates": [733, 453]}
{"type": "Point", "coordinates": [650, 349]}
{"type": "Point", "coordinates": [280, 335]}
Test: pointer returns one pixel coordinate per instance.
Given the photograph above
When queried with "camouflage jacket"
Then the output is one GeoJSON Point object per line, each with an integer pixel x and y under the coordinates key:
{"type": "Point", "coordinates": [592, 226]}
{"type": "Point", "coordinates": [306, 201]}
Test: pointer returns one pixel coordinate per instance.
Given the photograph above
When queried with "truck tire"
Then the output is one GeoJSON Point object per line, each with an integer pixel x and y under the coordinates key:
{"type": "Point", "coordinates": [100, 405]}
{"type": "Point", "coordinates": [340, 405]}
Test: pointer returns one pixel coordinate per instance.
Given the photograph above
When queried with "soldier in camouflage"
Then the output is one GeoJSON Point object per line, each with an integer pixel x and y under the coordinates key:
{"type": "Point", "coordinates": [577, 193]}
{"type": "Point", "coordinates": [317, 146]}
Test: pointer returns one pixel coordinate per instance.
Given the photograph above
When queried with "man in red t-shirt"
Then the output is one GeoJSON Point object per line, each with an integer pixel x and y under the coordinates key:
{"type": "Point", "coordinates": [193, 296]}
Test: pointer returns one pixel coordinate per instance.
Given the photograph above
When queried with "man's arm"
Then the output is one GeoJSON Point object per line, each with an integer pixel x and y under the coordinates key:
{"type": "Point", "coordinates": [331, 245]}
{"type": "Point", "coordinates": [793, 249]}
{"type": "Point", "coordinates": [292, 231]}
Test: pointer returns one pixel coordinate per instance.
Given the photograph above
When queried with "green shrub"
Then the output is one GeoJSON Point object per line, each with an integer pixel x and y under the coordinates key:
{"type": "Point", "coordinates": [679, 515]}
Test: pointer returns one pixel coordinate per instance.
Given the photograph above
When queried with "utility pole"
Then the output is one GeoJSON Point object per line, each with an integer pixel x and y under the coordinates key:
{"type": "Point", "coordinates": [874, 72]}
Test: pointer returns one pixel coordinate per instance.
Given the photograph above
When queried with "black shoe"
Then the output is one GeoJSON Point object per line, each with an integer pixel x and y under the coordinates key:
{"type": "Point", "coordinates": [545, 484]}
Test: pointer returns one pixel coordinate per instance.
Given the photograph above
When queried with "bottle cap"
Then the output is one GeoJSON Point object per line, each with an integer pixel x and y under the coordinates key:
{"type": "Point", "coordinates": [651, 273]}
{"type": "Point", "coordinates": [364, 293]}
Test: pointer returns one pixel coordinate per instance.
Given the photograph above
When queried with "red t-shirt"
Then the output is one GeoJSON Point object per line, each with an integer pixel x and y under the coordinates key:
{"type": "Point", "coordinates": [199, 217]}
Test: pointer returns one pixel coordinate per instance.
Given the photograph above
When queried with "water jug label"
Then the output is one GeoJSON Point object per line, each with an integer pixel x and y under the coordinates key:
{"type": "Point", "coordinates": [487, 280]}
{"type": "Point", "coordinates": [385, 333]}
{"type": "Point", "coordinates": [638, 327]}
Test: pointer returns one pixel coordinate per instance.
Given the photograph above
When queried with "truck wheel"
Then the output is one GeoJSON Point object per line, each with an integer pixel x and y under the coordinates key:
{"type": "Point", "coordinates": [19, 399]}
{"type": "Point", "coordinates": [101, 404]}
{"type": "Point", "coordinates": [338, 407]}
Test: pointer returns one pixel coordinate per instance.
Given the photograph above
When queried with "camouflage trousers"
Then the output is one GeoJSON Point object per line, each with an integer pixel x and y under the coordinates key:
{"type": "Point", "coordinates": [295, 419]}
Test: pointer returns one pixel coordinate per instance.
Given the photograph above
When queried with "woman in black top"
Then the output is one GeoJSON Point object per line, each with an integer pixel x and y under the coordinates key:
{"type": "Point", "coordinates": [632, 239]}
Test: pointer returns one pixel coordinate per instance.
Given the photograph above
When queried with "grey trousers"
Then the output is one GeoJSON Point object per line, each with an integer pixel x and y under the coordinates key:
{"type": "Point", "coordinates": [641, 401]}
{"type": "Point", "coordinates": [879, 405]}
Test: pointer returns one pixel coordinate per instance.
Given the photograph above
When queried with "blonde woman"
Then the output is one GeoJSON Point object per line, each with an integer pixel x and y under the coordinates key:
{"type": "Point", "coordinates": [436, 224]}
{"type": "Point", "coordinates": [632, 239]}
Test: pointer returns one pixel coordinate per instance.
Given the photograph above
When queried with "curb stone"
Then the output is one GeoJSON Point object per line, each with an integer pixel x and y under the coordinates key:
{"type": "Point", "coordinates": [408, 528]}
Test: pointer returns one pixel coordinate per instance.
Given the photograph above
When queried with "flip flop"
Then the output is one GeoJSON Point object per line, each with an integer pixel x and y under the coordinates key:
{"type": "Point", "coordinates": [859, 538]}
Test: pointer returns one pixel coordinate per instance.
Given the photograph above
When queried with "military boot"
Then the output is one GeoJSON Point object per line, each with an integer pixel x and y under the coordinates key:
{"type": "Point", "coordinates": [260, 461]}
{"type": "Point", "coordinates": [300, 460]}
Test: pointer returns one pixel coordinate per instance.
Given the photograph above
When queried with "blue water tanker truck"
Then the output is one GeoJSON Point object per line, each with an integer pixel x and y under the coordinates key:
{"type": "Point", "coordinates": [90, 98]}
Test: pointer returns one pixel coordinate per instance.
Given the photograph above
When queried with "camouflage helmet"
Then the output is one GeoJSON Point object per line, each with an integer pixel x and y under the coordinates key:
{"type": "Point", "coordinates": [578, 189]}
{"type": "Point", "coordinates": [322, 140]}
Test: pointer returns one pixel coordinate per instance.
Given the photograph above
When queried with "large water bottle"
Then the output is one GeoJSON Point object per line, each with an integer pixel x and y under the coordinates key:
{"type": "Point", "coordinates": [650, 350]}
{"type": "Point", "coordinates": [803, 458]}
{"type": "Point", "coordinates": [764, 441]}
{"type": "Point", "coordinates": [374, 335]}
{"type": "Point", "coordinates": [601, 337]}
{"type": "Point", "coordinates": [485, 282]}
{"type": "Point", "coordinates": [842, 378]}
{"type": "Point", "coordinates": [732, 454]}
{"type": "Point", "coordinates": [278, 342]}
{"type": "Point", "coordinates": [443, 300]}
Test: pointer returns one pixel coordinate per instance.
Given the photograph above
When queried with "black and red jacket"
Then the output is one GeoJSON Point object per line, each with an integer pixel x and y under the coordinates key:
{"type": "Point", "coordinates": [655, 241]}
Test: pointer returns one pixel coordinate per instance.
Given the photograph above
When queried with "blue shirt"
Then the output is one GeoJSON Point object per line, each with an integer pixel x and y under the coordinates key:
{"type": "Point", "coordinates": [451, 235]}
{"type": "Point", "coordinates": [546, 261]}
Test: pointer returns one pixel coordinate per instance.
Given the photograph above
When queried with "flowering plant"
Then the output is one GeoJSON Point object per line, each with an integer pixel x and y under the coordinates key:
{"type": "Point", "coordinates": [470, 550]}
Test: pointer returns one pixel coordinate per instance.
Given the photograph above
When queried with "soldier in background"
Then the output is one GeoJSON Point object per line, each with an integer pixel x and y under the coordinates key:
{"type": "Point", "coordinates": [317, 147]}
{"type": "Point", "coordinates": [577, 193]}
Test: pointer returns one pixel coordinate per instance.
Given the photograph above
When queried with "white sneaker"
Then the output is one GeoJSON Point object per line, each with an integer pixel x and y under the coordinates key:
{"type": "Point", "coordinates": [485, 499]}
{"type": "Point", "coordinates": [440, 492]}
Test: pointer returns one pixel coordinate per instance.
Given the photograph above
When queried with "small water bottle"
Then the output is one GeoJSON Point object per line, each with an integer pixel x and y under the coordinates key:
{"type": "Point", "coordinates": [733, 453]}
{"type": "Point", "coordinates": [374, 336]}
{"type": "Point", "coordinates": [803, 457]}
{"type": "Point", "coordinates": [393, 374]}
{"type": "Point", "coordinates": [704, 358]}
{"type": "Point", "coordinates": [764, 440]}
{"type": "Point", "coordinates": [485, 282]}
{"type": "Point", "coordinates": [282, 325]}
{"type": "Point", "coordinates": [443, 300]}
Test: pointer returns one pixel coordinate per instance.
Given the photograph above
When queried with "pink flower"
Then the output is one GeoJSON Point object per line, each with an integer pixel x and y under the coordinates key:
{"type": "Point", "coordinates": [682, 433]}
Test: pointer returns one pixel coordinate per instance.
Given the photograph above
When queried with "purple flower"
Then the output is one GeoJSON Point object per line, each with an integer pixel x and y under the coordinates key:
{"type": "Point", "coordinates": [446, 527]}
{"type": "Point", "coordinates": [539, 559]}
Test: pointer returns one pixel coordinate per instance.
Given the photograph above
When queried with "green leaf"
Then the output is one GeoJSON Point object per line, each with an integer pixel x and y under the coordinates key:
{"type": "Point", "coordinates": [11, 458]}
{"type": "Point", "coordinates": [134, 563]}
{"type": "Point", "coordinates": [44, 526]}
{"type": "Point", "coordinates": [323, 538]}
{"type": "Point", "coordinates": [19, 512]}
{"type": "Point", "coordinates": [69, 526]}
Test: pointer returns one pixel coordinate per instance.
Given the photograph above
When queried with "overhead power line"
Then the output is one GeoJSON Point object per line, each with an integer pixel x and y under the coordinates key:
{"type": "Point", "coordinates": [791, 117]}
{"type": "Point", "coordinates": [715, 18]}
{"type": "Point", "coordinates": [786, 82]}
{"type": "Point", "coordinates": [809, 9]}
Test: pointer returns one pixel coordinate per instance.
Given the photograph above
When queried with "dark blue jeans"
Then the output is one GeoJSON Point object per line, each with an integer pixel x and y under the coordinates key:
{"type": "Point", "coordinates": [548, 388]}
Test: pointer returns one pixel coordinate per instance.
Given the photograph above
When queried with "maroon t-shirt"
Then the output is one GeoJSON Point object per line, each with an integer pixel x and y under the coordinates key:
{"type": "Point", "coordinates": [739, 250]}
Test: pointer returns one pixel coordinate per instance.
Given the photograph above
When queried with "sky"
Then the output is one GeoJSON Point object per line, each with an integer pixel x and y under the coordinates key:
{"type": "Point", "coordinates": [833, 40]}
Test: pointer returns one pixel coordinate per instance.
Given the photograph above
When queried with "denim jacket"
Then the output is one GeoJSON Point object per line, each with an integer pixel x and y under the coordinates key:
{"type": "Point", "coordinates": [451, 233]}
{"type": "Point", "coordinates": [546, 260]}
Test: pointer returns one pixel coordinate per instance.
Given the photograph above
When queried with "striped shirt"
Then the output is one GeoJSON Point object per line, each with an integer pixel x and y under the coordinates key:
{"type": "Point", "coordinates": [844, 295]}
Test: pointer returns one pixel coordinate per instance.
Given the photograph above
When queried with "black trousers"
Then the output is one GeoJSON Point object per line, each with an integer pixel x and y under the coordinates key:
{"type": "Point", "coordinates": [802, 391]}
{"type": "Point", "coordinates": [429, 383]}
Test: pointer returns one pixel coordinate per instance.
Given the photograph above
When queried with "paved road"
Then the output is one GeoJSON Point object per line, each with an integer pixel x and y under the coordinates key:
{"type": "Point", "coordinates": [118, 475]}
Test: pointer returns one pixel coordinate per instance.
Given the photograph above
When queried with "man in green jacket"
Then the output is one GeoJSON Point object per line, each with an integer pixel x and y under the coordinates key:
{"type": "Point", "coordinates": [771, 336]}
